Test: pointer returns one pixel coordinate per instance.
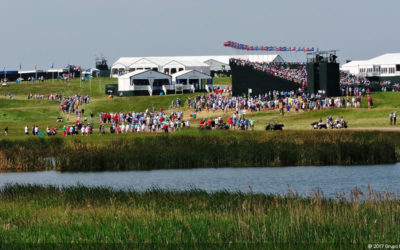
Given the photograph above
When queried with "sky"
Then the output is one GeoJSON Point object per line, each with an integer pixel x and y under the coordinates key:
{"type": "Point", "coordinates": [76, 31]}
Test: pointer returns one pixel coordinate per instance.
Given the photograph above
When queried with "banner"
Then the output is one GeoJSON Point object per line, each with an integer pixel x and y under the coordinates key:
{"type": "Point", "coordinates": [241, 46]}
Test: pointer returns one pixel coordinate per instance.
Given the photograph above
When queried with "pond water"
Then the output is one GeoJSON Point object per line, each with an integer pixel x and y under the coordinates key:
{"type": "Point", "coordinates": [303, 180]}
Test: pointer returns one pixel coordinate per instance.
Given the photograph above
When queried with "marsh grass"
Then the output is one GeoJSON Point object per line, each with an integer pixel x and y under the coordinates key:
{"type": "Point", "coordinates": [37, 214]}
{"type": "Point", "coordinates": [159, 151]}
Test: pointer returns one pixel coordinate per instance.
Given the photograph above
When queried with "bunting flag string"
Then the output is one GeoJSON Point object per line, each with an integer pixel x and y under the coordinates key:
{"type": "Point", "coordinates": [241, 46]}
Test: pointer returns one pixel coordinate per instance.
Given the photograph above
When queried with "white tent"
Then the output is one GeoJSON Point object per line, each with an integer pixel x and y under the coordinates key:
{"type": "Point", "coordinates": [30, 71]}
{"type": "Point", "coordinates": [217, 65]}
{"type": "Point", "coordinates": [174, 64]}
{"type": "Point", "coordinates": [352, 67]}
{"type": "Point", "coordinates": [387, 65]}
{"type": "Point", "coordinates": [91, 72]}
{"type": "Point", "coordinates": [57, 70]}
{"type": "Point", "coordinates": [118, 69]}
{"type": "Point", "coordinates": [143, 64]}
{"type": "Point", "coordinates": [182, 65]}
{"type": "Point", "coordinates": [143, 80]}
{"type": "Point", "coordinates": [386, 59]}
{"type": "Point", "coordinates": [191, 77]}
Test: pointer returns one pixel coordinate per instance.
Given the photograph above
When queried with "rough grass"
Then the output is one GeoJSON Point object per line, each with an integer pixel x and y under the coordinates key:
{"type": "Point", "coordinates": [95, 87]}
{"type": "Point", "coordinates": [37, 214]}
{"type": "Point", "coordinates": [223, 80]}
{"type": "Point", "coordinates": [197, 150]}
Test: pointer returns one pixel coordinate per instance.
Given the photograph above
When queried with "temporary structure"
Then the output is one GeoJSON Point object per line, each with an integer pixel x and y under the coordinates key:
{"type": "Point", "coordinates": [143, 81]}
{"type": "Point", "coordinates": [191, 77]}
{"type": "Point", "coordinates": [173, 64]}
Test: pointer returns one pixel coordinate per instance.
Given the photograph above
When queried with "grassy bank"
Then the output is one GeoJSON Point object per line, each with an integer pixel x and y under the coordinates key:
{"type": "Point", "coordinates": [35, 214]}
{"type": "Point", "coordinates": [19, 112]}
{"type": "Point", "coordinates": [186, 150]}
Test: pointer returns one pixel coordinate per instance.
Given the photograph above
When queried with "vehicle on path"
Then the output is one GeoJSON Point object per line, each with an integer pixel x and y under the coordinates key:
{"type": "Point", "coordinates": [275, 126]}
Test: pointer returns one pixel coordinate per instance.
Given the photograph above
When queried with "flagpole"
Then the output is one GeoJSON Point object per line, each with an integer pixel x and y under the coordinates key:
{"type": "Point", "coordinates": [99, 83]}
{"type": "Point", "coordinates": [52, 73]}
{"type": "Point", "coordinates": [69, 67]}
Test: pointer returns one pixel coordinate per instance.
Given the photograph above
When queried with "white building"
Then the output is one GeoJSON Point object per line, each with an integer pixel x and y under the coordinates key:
{"type": "Point", "coordinates": [191, 80]}
{"type": "Point", "coordinates": [386, 66]}
{"type": "Point", "coordinates": [172, 65]}
{"type": "Point", "coordinates": [149, 82]}
{"type": "Point", "coordinates": [143, 81]}
{"type": "Point", "coordinates": [91, 72]}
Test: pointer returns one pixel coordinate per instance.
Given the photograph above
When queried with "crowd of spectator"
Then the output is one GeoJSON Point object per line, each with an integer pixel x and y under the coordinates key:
{"type": "Point", "coordinates": [388, 86]}
{"type": "Point", "coordinates": [71, 104]}
{"type": "Point", "coordinates": [50, 96]}
{"type": "Point", "coordinates": [35, 79]}
{"type": "Point", "coordinates": [355, 90]}
{"type": "Point", "coordinates": [349, 79]}
{"type": "Point", "coordinates": [157, 121]}
{"type": "Point", "coordinates": [295, 72]}
{"type": "Point", "coordinates": [284, 101]}
{"type": "Point", "coordinates": [37, 132]}
{"type": "Point", "coordinates": [85, 129]}
{"type": "Point", "coordinates": [142, 122]}
{"type": "Point", "coordinates": [236, 120]}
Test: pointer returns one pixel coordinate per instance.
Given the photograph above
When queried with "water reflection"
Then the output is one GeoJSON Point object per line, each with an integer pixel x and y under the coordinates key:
{"type": "Point", "coordinates": [303, 180]}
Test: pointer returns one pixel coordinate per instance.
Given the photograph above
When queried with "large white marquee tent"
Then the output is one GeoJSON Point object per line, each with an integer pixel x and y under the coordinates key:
{"type": "Point", "coordinates": [174, 64]}
{"type": "Point", "coordinates": [387, 65]}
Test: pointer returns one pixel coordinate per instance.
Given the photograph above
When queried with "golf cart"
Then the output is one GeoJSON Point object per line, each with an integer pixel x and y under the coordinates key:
{"type": "Point", "coordinates": [319, 125]}
{"type": "Point", "coordinates": [275, 126]}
